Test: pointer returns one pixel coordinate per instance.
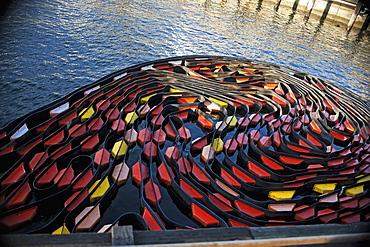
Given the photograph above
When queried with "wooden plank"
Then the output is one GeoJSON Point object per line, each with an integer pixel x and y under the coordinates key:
{"type": "Point", "coordinates": [187, 236]}
{"type": "Point", "coordinates": [359, 239]}
{"type": "Point", "coordinates": [308, 230]}
{"type": "Point", "coordinates": [350, 3]}
{"type": "Point", "coordinates": [75, 239]}
{"type": "Point", "coordinates": [207, 236]}
{"type": "Point", "coordinates": [122, 235]}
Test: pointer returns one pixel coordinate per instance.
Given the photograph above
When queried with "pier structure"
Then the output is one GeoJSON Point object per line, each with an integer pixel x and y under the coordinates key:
{"type": "Point", "coordinates": [343, 11]}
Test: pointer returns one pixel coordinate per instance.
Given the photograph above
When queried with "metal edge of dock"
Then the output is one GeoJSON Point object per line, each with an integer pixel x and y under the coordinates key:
{"type": "Point", "coordinates": [354, 234]}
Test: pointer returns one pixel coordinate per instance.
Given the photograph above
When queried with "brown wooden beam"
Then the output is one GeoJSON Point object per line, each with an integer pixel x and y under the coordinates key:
{"type": "Point", "coordinates": [360, 239]}
{"type": "Point", "coordinates": [354, 16]}
{"type": "Point", "coordinates": [255, 236]}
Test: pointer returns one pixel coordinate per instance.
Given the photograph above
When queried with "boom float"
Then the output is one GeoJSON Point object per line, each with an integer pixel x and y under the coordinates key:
{"type": "Point", "coordinates": [189, 142]}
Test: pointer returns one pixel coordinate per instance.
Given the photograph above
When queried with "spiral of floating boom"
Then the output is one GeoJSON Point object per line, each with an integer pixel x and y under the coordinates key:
{"type": "Point", "coordinates": [189, 142]}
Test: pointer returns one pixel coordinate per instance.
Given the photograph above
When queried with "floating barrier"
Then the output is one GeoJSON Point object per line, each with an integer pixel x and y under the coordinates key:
{"type": "Point", "coordinates": [185, 143]}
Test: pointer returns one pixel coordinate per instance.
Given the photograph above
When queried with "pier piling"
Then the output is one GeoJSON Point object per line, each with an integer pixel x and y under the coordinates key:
{"type": "Point", "coordinates": [366, 22]}
{"type": "Point", "coordinates": [334, 8]}
{"type": "Point", "coordinates": [326, 11]}
{"type": "Point", "coordinates": [354, 16]}
{"type": "Point", "coordinates": [310, 5]}
{"type": "Point", "coordinates": [276, 7]}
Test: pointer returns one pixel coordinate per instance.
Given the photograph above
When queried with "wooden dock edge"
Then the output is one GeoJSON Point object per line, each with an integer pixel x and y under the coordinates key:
{"type": "Point", "coordinates": [359, 239]}
{"type": "Point", "coordinates": [355, 233]}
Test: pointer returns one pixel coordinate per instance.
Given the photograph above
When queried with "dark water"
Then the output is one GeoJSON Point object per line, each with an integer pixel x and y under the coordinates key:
{"type": "Point", "coordinates": [49, 48]}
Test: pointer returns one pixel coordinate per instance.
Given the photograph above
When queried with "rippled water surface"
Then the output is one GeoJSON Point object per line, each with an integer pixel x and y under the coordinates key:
{"type": "Point", "coordinates": [49, 48]}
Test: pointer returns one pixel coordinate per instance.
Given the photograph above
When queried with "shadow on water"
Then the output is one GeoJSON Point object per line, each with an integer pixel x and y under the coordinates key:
{"type": "Point", "coordinates": [4, 6]}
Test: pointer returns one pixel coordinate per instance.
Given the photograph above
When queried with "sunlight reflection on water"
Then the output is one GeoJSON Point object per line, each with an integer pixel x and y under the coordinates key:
{"type": "Point", "coordinates": [50, 48]}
